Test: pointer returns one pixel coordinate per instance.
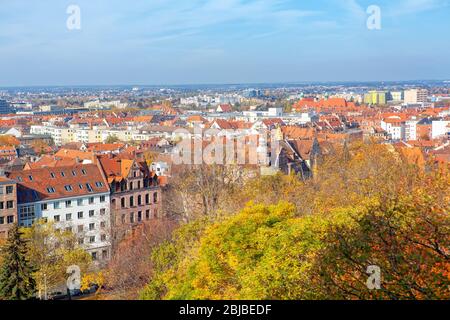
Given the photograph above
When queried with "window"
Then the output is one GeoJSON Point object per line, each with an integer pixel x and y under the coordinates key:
{"type": "Point", "coordinates": [99, 184]}
{"type": "Point", "coordinates": [139, 200]}
{"type": "Point", "coordinates": [52, 175]}
{"type": "Point", "coordinates": [74, 173]}
{"type": "Point", "coordinates": [68, 188]}
{"type": "Point", "coordinates": [92, 239]}
{"type": "Point", "coordinates": [103, 237]}
{"type": "Point", "coordinates": [68, 203]}
{"type": "Point", "coordinates": [94, 254]}
{"type": "Point", "coordinates": [81, 241]}
{"type": "Point", "coordinates": [9, 204]}
{"type": "Point", "coordinates": [91, 200]}
{"type": "Point", "coordinates": [69, 229]}
{"type": "Point", "coordinates": [156, 213]}
{"type": "Point", "coordinates": [80, 228]}
{"type": "Point", "coordinates": [63, 174]}
{"type": "Point", "coordinates": [104, 254]}
{"type": "Point", "coordinates": [91, 226]}
{"type": "Point", "coordinates": [9, 189]}
{"type": "Point", "coordinates": [131, 201]}
{"type": "Point", "coordinates": [123, 218]}
{"type": "Point", "coordinates": [80, 215]}
{"type": "Point", "coordinates": [139, 184]}
{"type": "Point", "coordinates": [155, 197]}
{"type": "Point", "coordinates": [131, 186]}
{"type": "Point", "coordinates": [31, 178]}
{"type": "Point", "coordinates": [147, 214]}
{"type": "Point", "coordinates": [89, 187]}
{"type": "Point", "coordinates": [140, 216]}
{"type": "Point", "coordinates": [57, 218]}
{"type": "Point", "coordinates": [10, 219]}
{"type": "Point", "coordinates": [102, 212]}
{"type": "Point", "coordinates": [103, 224]}
{"type": "Point", "coordinates": [83, 172]}
{"type": "Point", "coordinates": [68, 217]}
{"type": "Point", "coordinates": [43, 207]}
{"type": "Point", "coordinates": [102, 198]}
{"type": "Point", "coordinates": [91, 213]}
{"type": "Point", "coordinates": [147, 198]}
{"type": "Point", "coordinates": [2, 220]}
{"type": "Point", "coordinates": [51, 190]}
{"type": "Point", "coordinates": [122, 202]}
{"type": "Point", "coordinates": [20, 179]}
{"type": "Point", "coordinates": [56, 205]}
{"type": "Point", "coordinates": [132, 217]}
{"type": "Point", "coordinates": [79, 202]}
{"type": "Point", "coordinates": [80, 186]}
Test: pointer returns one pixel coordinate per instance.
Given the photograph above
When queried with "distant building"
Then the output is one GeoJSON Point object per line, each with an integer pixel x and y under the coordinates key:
{"type": "Point", "coordinates": [4, 107]}
{"type": "Point", "coordinates": [415, 96]}
{"type": "Point", "coordinates": [375, 97]}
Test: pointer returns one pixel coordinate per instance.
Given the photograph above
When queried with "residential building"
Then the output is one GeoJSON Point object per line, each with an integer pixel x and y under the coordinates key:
{"type": "Point", "coordinates": [76, 198]}
{"type": "Point", "coordinates": [415, 96]}
{"type": "Point", "coordinates": [8, 205]}
{"type": "Point", "coordinates": [135, 194]}
{"type": "Point", "coordinates": [376, 97]}
{"type": "Point", "coordinates": [440, 128]}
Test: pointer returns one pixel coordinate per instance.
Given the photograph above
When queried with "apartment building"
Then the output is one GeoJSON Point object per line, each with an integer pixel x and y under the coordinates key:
{"type": "Point", "coordinates": [76, 198]}
{"type": "Point", "coordinates": [135, 193]}
{"type": "Point", "coordinates": [415, 96]}
{"type": "Point", "coordinates": [8, 205]}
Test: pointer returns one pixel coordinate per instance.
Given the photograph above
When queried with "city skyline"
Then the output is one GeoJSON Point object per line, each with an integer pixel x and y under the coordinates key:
{"type": "Point", "coordinates": [221, 42]}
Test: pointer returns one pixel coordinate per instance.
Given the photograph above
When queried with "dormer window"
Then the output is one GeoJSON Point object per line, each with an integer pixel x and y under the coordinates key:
{"type": "Point", "coordinates": [89, 187]}
{"type": "Point", "coordinates": [63, 174]}
{"type": "Point", "coordinates": [74, 173]}
{"type": "Point", "coordinates": [52, 175]}
{"type": "Point", "coordinates": [51, 190]}
{"type": "Point", "coordinates": [99, 184]}
{"type": "Point", "coordinates": [31, 178]}
{"type": "Point", "coordinates": [68, 188]}
{"type": "Point", "coordinates": [83, 172]}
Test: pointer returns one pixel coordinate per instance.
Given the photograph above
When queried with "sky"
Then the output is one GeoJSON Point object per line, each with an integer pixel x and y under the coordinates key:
{"type": "Point", "coordinates": [163, 42]}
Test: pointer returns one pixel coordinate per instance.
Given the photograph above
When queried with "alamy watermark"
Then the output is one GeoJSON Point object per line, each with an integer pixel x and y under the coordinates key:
{"type": "Point", "coordinates": [374, 19]}
{"type": "Point", "coordinates": [74, 20]}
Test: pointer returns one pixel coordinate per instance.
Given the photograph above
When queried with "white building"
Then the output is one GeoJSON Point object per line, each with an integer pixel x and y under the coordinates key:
{"type": "Point", "coordinates": [439, 128]}
{"type": "Point", "coordinates": [415, 96]}
{"type": "Point", "coordinates": [75, 198]}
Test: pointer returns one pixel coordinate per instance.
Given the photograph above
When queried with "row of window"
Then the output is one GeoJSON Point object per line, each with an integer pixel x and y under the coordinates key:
{"type": "Point", "coordinates": [139, 217]}
{"type": "Point", "coordinates": [8, 189]}
{"type": "Point", "coordinates": [80, 215]}
{"type": "Point", "coordinates": [8, 220]}
{"type": "Point", "coordinates": [80, 228]}
{"type": "Point", "coordinates": [69, 203]}
{"type": "Point", "coordinates": [139, 200]}
{"type": "Point", "coordinates": [53, 175]}
{"type": "Point", "coordinates": [104, 255]}
{"type": "Point", "coordinates": [9, 204]}
{"type": "Point", "coordinates": [91, 239]}
{"type": "Point", "coordinates": [69, 187]}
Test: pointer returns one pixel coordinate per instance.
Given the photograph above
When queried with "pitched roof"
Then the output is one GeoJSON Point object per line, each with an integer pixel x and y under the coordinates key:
{"type": "Point", "coordinates": [58, 183]}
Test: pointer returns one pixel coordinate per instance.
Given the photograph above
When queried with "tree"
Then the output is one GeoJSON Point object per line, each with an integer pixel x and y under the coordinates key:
{"type": "Point", "coordinates": [51, 251]}
{"type": "Point", "coordinates": [16, 280]}
{"type": "Point", "coordinates": [112, 139]}
{"type": "Point", "coordinates": [129, 269]}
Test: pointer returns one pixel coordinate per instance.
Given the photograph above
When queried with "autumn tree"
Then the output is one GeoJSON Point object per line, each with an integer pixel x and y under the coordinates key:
{"type": "Point", "coordinates": [129, 269]}
{"type": "Point", "coordinates": [51, 251]}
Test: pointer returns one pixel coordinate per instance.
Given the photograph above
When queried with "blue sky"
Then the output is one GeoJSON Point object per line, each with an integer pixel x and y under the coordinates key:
{"type": "Point", "coordinates": [221, 41]}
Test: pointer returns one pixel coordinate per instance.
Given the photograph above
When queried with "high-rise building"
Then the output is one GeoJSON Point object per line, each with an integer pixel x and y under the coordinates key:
{"type": "Point", "coordinates": [414, 96]}
{"type": "Point", "coordinates": [375, 97]}
{"type": "Point", "coordinates": [4, 107]}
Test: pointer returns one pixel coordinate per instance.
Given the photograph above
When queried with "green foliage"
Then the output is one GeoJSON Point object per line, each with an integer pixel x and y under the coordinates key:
{"type": "Point", "coordinates": [16, 281]}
